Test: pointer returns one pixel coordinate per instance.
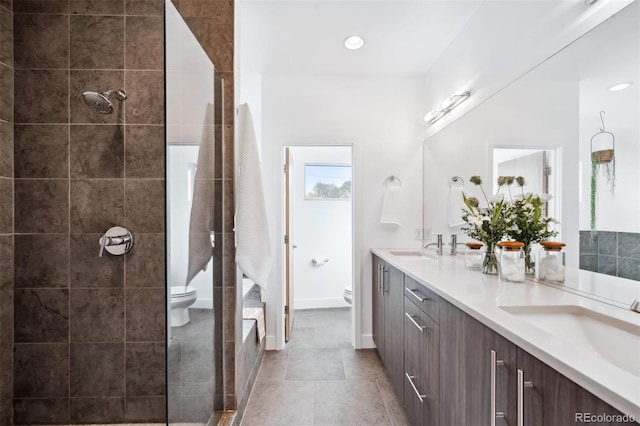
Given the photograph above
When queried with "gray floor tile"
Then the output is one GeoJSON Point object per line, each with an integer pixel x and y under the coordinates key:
{"type": "Point", "coordinates": [362, 364]}
{"type": "Point", "coordinates": [274, 366]}
{"type": "Point", "coordinates": [391, 401]}
{"type": "Point", "coordinates": [314, 364]}
{"type": "Point", "coordinates": [349, 402]}
{"type": "Point", "coordinates": [280, 403]}
{"type": "Point", "coordinates": [349, 387]}
{"type": "Point", "coordinates": [301, 337]}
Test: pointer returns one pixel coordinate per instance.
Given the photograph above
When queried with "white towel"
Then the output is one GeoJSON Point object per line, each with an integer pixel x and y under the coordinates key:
{"type": "Point", "coordinates": [456, 204]}
{"type": "Point", "coordinates": [253, 243]}
{"type": "Point", "coordinates": [258, 315]}
{"type": "Point", "coordinates": [201, 220]}
{"type": "Point", "coordinates": [391, 206]}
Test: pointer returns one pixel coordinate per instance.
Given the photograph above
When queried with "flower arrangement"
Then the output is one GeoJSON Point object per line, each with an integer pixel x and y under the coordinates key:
{"type": "Point", "coordinates": [487, 224]}
{"type": "Point", "coordinates": [529, 225]}
{"type": "Point", "coordinates": [518, 218]}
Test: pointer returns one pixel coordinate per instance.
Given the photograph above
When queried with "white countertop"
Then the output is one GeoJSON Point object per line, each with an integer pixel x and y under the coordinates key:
{"type": "Point", "coordinates": [482, 296]}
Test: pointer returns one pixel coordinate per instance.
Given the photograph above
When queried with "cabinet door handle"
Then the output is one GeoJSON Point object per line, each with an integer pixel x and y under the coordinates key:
{"type": "Point", "coordinates": [494, 363]}
{"type": "Point", "coordinates": [521, 385]}
{"type": "Point", "coordinates": [410, 378]}
{"type": "Point", "coordinates": [416, 295]}
{"type": "Point", "coordinates": [379, 278]}
{"type": "Point", "coordinates": [420, 327]}
{"type": "Point", "coordinates": [384, 271]}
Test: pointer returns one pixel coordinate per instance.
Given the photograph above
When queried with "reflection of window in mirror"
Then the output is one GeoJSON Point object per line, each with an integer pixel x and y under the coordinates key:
{"type": "Point", "coordinates": [535, 165]}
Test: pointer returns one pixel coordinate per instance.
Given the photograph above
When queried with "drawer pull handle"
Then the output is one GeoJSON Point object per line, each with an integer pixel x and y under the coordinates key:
{"type": "Point", "coordinates": [494, 363]}
{"type": "Point", "coordinates": [410, 378]}
{"type": "Point", "coordinates": [416, 295]}
{"type": "Point", "coordinates": [420, 327]}
{"type": "Point", "coordinates": [521, 385]}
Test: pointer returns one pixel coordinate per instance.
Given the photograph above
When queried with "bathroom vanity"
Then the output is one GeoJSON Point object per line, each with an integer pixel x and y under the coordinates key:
{"type": "Point", "coordinates": [463, 348]}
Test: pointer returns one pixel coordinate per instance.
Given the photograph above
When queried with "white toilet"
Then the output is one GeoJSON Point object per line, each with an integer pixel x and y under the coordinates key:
{"type": "Point", "coordinates": [347, 294]}
{"type": "Point", "coordinates": [181, 299]}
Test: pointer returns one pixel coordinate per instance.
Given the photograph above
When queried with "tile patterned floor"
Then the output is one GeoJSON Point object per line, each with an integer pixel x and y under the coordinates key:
{"type": "Point", "coordinates": [319, 379]}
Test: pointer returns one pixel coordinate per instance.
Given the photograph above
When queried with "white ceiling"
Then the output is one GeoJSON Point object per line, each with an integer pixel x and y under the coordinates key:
{"type": "Point", "coordinates": [306, 37]}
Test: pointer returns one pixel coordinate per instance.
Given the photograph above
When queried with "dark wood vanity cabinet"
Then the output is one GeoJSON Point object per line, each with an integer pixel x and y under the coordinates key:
{"type": "Point", "coordinates": [421, 366]}
{"type": "Point", "coordinates": [388, 320]}
{"type": "Point", "coordinates": [450, 369]}
{"type": "Point", "coordinates": [485, 376]}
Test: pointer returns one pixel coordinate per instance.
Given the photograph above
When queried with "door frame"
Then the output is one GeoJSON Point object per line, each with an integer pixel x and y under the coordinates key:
{"type": "Point", "coordinates": [356, 232]}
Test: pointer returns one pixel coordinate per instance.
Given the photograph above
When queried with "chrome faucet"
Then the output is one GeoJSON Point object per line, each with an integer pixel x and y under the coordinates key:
{"type": "Point", "coordinates": [635, 306]}
{"type": "Point", "coordinates": [437, 243]}
{"type": "Point", "coordinates": [454, 244]}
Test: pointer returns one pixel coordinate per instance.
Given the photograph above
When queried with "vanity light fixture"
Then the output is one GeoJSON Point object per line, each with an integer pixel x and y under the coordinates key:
{"type": "Point", "coordinates": [353, 42]}
{"type": "Point", "coordinates": [446, 107]}
{"type": "Point", "coordinates": [620, 86]}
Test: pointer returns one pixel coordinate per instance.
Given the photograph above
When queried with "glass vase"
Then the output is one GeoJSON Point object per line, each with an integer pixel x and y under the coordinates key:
{"type": "Point", "coordinates": [490, 262]}
{"type": "Point", "coordinates": [529, 262]}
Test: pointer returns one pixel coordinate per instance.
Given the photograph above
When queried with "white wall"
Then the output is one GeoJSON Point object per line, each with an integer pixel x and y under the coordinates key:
{"type": "Point", "coordinates": [381, 118]}
{"type": "Point", "coordinates": [322, 230]}
{"type": "Point", "coordinates": [528, 113]}
{"type": "Point", "coordinates": [503, 41]}
{"type": "Point", "coordinates": [619, 61]}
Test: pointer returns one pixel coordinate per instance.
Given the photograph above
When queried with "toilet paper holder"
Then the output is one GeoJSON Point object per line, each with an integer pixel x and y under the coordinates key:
{"type": "Point", "coordinates": [319, 262]}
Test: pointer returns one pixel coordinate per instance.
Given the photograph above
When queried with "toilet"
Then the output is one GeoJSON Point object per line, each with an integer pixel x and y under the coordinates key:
{"type": "Point", "coordinates": [347, 294]}
{"type": "Point", "coordinates": [181, 299]}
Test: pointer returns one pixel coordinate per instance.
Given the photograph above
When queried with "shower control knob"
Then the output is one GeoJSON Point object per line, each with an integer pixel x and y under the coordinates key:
{"type": "Point", "coordinates": [116, 241]}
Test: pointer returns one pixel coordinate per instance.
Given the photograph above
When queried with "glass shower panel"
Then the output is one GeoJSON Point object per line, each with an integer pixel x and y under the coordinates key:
{"type": "Point", "coordinates": [190, 267]}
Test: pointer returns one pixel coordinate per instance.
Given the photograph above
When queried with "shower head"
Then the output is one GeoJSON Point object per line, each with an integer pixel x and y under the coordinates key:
{"type": "Point", "coordinates": [100, 102]}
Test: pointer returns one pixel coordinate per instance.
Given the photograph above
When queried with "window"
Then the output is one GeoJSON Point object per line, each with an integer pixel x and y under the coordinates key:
{"type": "Point", "coordinates": [327, 182]}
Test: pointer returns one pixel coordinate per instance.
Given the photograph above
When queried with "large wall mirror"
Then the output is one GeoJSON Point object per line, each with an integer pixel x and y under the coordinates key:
{"type": "Point", "coordinates": [582, 103]}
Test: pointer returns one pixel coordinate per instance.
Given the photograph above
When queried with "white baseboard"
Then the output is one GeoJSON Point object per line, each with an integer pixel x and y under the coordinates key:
{"type": "Point", "coordinates": [270, 343]}
{"type": "Point", "coordinates": [329, 302]}
{"type": "Point", "coordinates": [367, 341]}
{"type": "Point", "coordinates": [203, 303]}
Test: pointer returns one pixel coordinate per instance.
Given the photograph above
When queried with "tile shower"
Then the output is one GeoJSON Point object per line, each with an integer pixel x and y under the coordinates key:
{"type": "Point", "coordinates": [89, 332]}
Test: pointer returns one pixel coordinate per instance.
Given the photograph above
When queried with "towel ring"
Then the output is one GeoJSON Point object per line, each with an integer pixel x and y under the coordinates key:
{"type": "Point", "coordinates": [392, 179]}
{"type": "Point", "coordinates": [458, 181]}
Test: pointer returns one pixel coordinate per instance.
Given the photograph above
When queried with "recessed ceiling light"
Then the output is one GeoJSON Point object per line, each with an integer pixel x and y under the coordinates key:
{"type": "Point", "coordinates": [620, 86]}
{"type": "Point", "coordinates": [353, 42]}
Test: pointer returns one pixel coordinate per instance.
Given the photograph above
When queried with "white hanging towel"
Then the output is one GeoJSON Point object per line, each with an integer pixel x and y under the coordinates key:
{"type": "Point", "coordinates": [253, 243]}
{"type": "Point", "coordinates": [456, 204]}
{"type": "Point", "coordinates": [201, 220]}
{"type": "Point", "coordinates": [391, 206]}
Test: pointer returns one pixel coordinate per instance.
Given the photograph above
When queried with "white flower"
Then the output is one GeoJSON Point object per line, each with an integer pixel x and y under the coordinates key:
{"type": "Point", "coordinates": [477, 221]}
{"type": "Point", "coordinates": [545, 197]}
{"type": "Point", "coordinates": [528, 206]}
{"type": "Point", "coordinates": [496, 198]}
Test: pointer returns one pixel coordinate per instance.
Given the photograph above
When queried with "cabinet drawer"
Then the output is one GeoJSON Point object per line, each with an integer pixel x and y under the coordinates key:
{"type": "Point", "coordinates": [425, 299]}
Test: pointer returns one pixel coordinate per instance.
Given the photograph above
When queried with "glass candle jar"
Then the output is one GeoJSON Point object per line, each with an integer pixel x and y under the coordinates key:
{"type": "Point", "coordinates": [473, 255]}
{"type": "Point", "coordinates": [551, 262]}
{"type": "Point", "coordinates": [511, 261]}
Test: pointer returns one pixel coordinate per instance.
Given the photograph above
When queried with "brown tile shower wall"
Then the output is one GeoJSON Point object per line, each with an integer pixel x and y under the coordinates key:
{"type": "Point", "coordinates": [89, 333]}
{"type": "Point", "coordinates": [212, 22]}
{"type": "Point", "coordinates": [6, 212]}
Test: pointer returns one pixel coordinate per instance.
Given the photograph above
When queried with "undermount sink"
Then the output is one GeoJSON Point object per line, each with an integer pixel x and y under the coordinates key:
{"type": "Point", "coordinates": [611, 339]}
{"type": "Point", "coordinates": [413, 253]}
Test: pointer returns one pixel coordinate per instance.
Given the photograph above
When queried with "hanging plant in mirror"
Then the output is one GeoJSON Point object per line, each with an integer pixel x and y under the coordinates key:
{"type": "Point", "coordinates": [602, 162]}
